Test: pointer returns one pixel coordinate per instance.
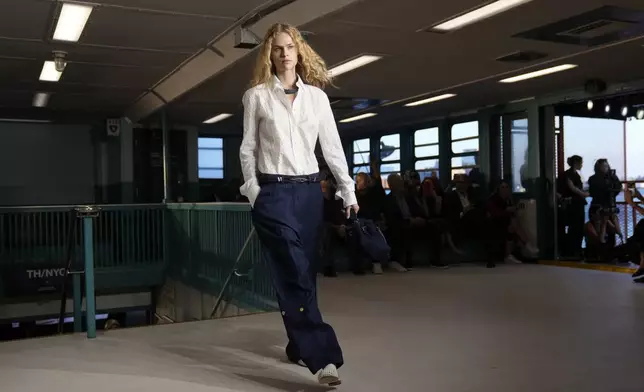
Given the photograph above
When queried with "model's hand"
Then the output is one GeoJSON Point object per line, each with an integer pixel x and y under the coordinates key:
{"type": "Point", "coordinates": [354, 208]}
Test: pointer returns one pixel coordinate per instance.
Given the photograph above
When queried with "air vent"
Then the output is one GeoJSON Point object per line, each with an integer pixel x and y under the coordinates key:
{"type": "Point", "coordinates": [598, 28]}
{"type": "Point", "coordinates": [526, 56]}
{"type": "Point", "coordinates": [601, 26]}
{"type": "Point", "coordinates": [589, 27]}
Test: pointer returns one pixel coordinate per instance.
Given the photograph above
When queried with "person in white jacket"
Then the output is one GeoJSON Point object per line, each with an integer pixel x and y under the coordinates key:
{"type": "Point", "coordinates": [285, 113]}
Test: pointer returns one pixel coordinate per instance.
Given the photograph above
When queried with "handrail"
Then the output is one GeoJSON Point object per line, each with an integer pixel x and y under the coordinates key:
{"type": "Point", "coordinates": [62, 207]}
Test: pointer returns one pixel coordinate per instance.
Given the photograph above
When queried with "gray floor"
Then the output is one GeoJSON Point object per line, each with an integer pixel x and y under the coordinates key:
{"type": "Point", "coordinates": [515, 329]}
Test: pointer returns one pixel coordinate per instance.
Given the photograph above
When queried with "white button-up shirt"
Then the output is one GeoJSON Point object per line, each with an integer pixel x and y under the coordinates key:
{"type": "Point", "coordinates": [280, 137]}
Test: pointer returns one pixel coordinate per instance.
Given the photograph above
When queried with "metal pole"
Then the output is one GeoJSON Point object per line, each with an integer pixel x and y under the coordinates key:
{"type": "Point", "coordinates": [88, 213]}
{"type": "Point", "coordinates": [166, 158]}
{"type": "Point", "coordinates": [78, 303]}
{"type": "Point", "coordinates": [233, 272]}
{"type": "Point", "coordinates": [89, 277]}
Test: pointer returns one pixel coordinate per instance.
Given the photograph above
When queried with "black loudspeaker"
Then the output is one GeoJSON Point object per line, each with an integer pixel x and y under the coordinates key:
{"type": "Point", "coordinates": [595, 86]}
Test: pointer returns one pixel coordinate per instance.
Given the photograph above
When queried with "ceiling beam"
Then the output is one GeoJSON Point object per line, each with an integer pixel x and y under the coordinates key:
{"type": "Point", "coordinates": [222, 54]}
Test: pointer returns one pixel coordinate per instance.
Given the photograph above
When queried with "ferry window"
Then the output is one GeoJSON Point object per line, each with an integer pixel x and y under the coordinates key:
{"type": "Point", "coordinates": [361, 151]}
{"type": "Point", "coordinates": [389, 151]}
{"type": "Point", "coordinates": [210, 156]}
{"type": "Point", "coordinates": [426, 152]}
{"type": "Point", "coordinates": [465, 147]}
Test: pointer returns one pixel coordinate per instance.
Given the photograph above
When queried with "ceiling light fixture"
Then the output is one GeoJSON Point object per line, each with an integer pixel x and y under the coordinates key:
{"type": "Point", "coordinates": [72, 21]}
{"type": "Point", "coordinates": [536, 74]}
{"type": "Point", "coordinates": [430, 100]}
{"type": "Point", "coordinates": [607, 108]}
{"type": "Point", "coordinates": [49, 72]}
{"type": "Point", "coordinates": [640, 114]}
{"type": "Point", "coordinates": [352, 64]}
{"type": "Point", "coordinates": [218, 118]}
{"type": "Point", "coordinates": [624, 111]}
{"type": "Point", "coordinates": [360, 117]}
{"type": "Point", "coordinates": [40, 100]}
{"type": "Point", "coordinates": [478, 14]}
{"type": "Point", "coordinates": [590, 105]}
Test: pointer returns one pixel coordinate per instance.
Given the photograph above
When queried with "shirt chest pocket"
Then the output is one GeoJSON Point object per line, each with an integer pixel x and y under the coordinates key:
{"type": "Point", "coordinates": [306, 116]}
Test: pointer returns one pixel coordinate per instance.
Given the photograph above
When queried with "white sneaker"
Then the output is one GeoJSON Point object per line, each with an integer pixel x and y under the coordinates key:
{"type": "Point", "coordinates": [329, 375]}
{"type": "Point", "coordinates": [397, 266]}
{"type": "Point", "coordinates": [512, 260]}
{"type": "Point", "coordinates": [531, 249]}
{"type": "Point", "coordinates": [377, 268]}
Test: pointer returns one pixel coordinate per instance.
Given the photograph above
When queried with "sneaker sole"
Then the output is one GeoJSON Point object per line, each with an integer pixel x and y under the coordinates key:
{"type": "Point", "coordinates": [639, 278]}
{"type": "Point", "coordinates": [330, 381]}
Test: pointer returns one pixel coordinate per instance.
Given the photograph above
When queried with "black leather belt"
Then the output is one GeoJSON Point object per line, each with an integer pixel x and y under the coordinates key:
{"type": "Point", "coordinates": [277, 178]}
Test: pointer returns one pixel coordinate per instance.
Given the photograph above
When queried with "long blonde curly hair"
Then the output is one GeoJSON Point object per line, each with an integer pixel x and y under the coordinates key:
{"type": "Point", "coordinates": [310, 66]}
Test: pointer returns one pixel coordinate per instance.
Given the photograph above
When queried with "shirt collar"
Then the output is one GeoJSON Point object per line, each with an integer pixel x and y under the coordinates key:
{"type": "Point", "coordinates": [277, 83]}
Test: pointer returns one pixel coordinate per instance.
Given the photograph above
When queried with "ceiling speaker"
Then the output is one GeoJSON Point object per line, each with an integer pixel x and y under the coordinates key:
{"type": "Point", "coordinates": [595, 86]}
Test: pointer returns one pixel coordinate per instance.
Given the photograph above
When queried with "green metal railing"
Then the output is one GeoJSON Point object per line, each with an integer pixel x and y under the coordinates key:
{"type": "Point", "coordinates": [204, 243]}
{"type": "Point", "coordinates": [198, 244]}
{"type": "Point", "coordinates": [124, 235]}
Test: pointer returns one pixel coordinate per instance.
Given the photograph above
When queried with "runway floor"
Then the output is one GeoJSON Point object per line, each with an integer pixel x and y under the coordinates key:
{"type": "Point", "coordinates": [524, 328]}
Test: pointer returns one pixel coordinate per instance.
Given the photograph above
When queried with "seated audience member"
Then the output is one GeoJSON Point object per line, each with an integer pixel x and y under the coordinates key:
{"type": "Point", "coordinates": [597, 231]}
{"type": "Point", "coordinates": [403, 228]}
{"type": "Point", "coordinates": [636, 242]}
{"type": "Point", "coordinates": [335, 232]}
{"type": "Point", "coordinates": [504, 230]}
{"type": "Point", "coordinates": [462, 210]}
{"type": "Point", "coordinates": [437, 185]}
{"type": "Point", "coordinates": [369, 198]}
{"type": "Point", "coordinates": [434, 205]}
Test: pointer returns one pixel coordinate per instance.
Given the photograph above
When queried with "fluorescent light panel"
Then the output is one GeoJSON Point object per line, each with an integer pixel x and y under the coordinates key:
{"type": "Point", "coordinates": [353, 64]}
{"type": "Point", "coordinates": [431, 99]}
{"type": "Point", "coordinates": [49, 73]}
{"type": "Point", "coordinates": [72, 21]}
{"type": "Point", "coordinates": [360, 117]}
{"type": "Point", "coordinates": [217, 118]}
{"type": "Point", "coordinates": [536, 74]}
{"type": "Point", "coordinates": [24, 120]}
{"type": "Point", "coordinates": [479, 14]}
{"type": "Point", "coordinates": [40, 100]}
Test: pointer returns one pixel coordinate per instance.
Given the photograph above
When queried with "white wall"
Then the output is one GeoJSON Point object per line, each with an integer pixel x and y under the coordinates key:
{"type": "Point", "coordinates": [43, 164]}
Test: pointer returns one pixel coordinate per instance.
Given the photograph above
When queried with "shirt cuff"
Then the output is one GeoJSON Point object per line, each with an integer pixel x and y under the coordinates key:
{"type": "Point", "coordinates": [251, 190]}
{"type": "Point", "coordinates": [348, 197]}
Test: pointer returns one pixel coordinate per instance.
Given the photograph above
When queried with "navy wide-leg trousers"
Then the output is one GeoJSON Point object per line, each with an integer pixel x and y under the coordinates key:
{"type": "Point", "coordinates": [288, 221]}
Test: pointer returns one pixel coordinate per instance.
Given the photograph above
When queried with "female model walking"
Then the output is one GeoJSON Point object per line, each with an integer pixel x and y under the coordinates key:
{"type": "Point", "coordinates": [285, 113]}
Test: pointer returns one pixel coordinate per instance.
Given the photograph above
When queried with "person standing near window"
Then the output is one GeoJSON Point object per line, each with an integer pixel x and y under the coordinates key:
{"type": "Point", "coordinates": [576, 208]}
{"type": "Point", "coordinates": [285, 113]}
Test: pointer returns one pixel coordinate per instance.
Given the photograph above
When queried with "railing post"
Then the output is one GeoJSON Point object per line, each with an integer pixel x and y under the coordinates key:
{"type": "Point", "coordinates": [87, 214]}
{"type": "Point", "coordinates": [78, 303]}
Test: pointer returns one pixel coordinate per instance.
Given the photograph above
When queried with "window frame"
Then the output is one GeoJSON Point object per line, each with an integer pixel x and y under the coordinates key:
{"type": "Point", "coordinates": [416, 159]}
{"type": "Point", "coordinates": [475, 154]}
{"type": "Point", "coordinates": [384, 175]}
{"type": "Point", "coordinates": [353, 165]}
{"type": "Point", "coordinates": [223, 158]}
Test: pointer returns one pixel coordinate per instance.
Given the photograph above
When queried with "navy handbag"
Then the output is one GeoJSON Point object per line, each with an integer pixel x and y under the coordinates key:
{"type": "Point", "coordinates": [367, 239]}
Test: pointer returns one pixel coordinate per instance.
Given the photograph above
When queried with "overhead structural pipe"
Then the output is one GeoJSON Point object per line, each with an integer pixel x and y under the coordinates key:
{"type": "Point", "coordinates": [220, 53]}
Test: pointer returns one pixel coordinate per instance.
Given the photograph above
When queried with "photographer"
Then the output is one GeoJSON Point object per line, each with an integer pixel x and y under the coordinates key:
{"type": "Point", "coordinates": [635, 244]}
{"type": "Point", "coordinates": [604, 186]}
{"type": "Point", "coordinates": [597, 230]}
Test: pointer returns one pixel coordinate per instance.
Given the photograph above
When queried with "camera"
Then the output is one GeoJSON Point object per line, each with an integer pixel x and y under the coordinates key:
{"type": "Point", "coordinates": [60, 60]}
